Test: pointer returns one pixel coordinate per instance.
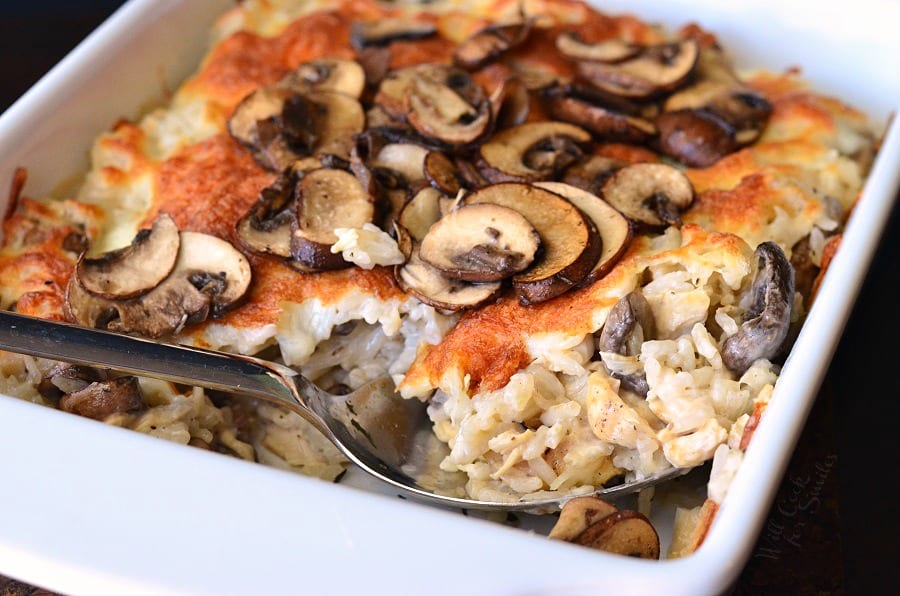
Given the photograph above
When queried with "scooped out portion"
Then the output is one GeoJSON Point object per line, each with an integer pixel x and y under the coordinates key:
{"type": "Point", "coordinates": [630, 378]}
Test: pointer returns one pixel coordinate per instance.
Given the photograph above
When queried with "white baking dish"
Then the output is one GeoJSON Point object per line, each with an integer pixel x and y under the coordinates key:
{"type": "Point", "coordinates": [91, 509]}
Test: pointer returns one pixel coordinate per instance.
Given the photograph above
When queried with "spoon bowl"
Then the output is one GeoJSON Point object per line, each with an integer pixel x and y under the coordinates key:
{"type": "Point", "coordinates": [385, 435]}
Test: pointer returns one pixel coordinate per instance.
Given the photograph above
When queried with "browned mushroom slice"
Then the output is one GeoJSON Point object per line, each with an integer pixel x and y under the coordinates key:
{"type": "Point", "coordinates": [488, 44]}
{"type": "Point", "coordinates": [767, 320]}
{"type": "Point", "coordinates": [510, 103]}
{"type": "Point", "coordinates": [68, 378]}
{"type": "Point", "coordinates": [407, 159]}
{"type": "Point", "coordinates": [337, 75]}
{"type": "Point", "coordinates": [327, 199]}
{"type": "Point", "coordinates": [571, 244]}
{"type": "Point", "coordinates": [266, 227]}
{"type": "Point", "coordinates": [745, 110]}
{"type": "Point", "coordinates": [210, 276]}
{"type": "Point", "coordinates": [608, 51]}
{"type": "Point", "coordinates": [447, 105]}
{"type": "Point", "coordinates": [653, 194]}
{"type": "Point", "coordinates": [342, 118]}
{"type": "Point", "coordinates": [276, 124]}
{"type": "Point", "coordinates": [391, 94]}
{"type": "Point", "coordinates": [570, 104]}
{"type": "Point", "coordinates": [579, 513]}
{"type": "Point", "coordinates": [99, 400]}
{"type": "Point", "coordinates": [384, 31]}
{"type": "Point", "coordinates": [532, 151]}
{"type": "Point", "coordinates": [590, 173]}
{"type": "Point", "coordinates": [430, 286]}
{"type": "Point", "coordinates": [625, 532]}
{"type": "Point", "coordinates": [630, 322]}
{"type": "Point", "coordinates": [134, 269]}
{"type": "Point", "coordinates": [696, 138]}
{"type": "Point", "coordinates": [421, 212]}
{"type": "Point", "coordinates": [480, 243]}
{"type": "Point", "coordinates": [614, 229]}
{"type": "Point", "coordinates": [656, 69]}
{"type": "Point", "coordinates": [280, 125]}
{"type": "Point", "coordinates": [443, 173]}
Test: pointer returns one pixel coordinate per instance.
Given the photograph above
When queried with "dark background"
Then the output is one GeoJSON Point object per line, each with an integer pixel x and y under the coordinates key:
{"type": "Point", "coordinates": [845, 468]}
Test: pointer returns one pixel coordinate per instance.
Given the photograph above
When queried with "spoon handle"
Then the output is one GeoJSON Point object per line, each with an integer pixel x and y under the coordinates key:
{"type": "Point", "coordinates": [180, 364]}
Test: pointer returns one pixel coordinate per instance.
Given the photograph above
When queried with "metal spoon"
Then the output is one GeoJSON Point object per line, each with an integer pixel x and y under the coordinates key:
{"type": "Point", "coordinates": [385, 435]}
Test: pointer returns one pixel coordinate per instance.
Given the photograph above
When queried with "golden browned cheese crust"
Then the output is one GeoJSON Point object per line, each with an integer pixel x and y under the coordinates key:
{"type": "Point", "coordinates": [206, 185]}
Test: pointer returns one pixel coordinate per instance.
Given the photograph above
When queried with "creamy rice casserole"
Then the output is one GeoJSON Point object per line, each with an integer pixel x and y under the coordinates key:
{"type": "Point", "coordinates": [585, 241]}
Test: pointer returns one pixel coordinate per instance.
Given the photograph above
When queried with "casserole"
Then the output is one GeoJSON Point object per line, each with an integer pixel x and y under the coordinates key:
{"type": "Point", "coordinates": [567, 574]}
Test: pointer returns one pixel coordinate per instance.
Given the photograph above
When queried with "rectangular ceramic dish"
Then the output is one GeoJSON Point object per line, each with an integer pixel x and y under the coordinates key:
{"type": "Point", "coordinates": [89, 509]}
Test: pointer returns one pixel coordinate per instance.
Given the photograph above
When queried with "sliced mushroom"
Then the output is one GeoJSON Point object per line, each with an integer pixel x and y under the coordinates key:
{"type": "Point", "coordinates": [421, 212]}
{"type": "Point", "coordinates": [327, 199]}
{"type": "Point", "coordinates": [134, 269]}
{"type": "Point", "coordinates": [99, 400]}
{"type": "Point", "coordinates": [488, 44]}
{"type": "Point", "coordinates": [375, 62]}
{"type": "Point", "coordinates": [614, 229]}
{"type": "Point", "coordinates": [210, 277]}
{"type": "Point", "coordinates": [480, 242]}
{"type": "Point", "coordinates": [68, 378]}
{"type": "Point", "coordinates": [444, 173]}
{"type": "Point", "coordinates": [628, 325]}
{"type": "Point", "coordinates": [430, 286]}
{"type": "Point", "coordinates": [590, 173]}
{"type": "Point", "coordinates": [571, 243]}
{"type": "Point", "coordinates": [511, 103]}
{"type": "Point", "coordinates": [625, 532]}
{"type": "Point", "coordinates": [406, 159]}
{"type": "Point", "coordinates": [571, 103]}
{"type": "Point", "coordinates": [280, 125]}
{"type": "Point", "coordinates": [386, 30]}
{"type": "Point", "coordinates": [579, 513]}
{"type": "Point", "coordinates": [337, 75]}
{"type": "Point", "coordinates": [743, 109]}
{"type": "Point", "coordinates": [445, 104]}
{"type": "Point", "coordinates": [653, 194]}
{"type": "Point", "coordinates": [767, 320]}
{"type": "Point", "coordinates": [696, 138]}
{"type": "Point", "coordinates": [266, 227]}
{"type": "Point", "coordinates": [655, 69]}
{"type": "Point", "coordinates": [532, 151]}
{"type": "Point", "coordinates": [608, 51]}
{"type": "Point", "coordinates": [342, 118]}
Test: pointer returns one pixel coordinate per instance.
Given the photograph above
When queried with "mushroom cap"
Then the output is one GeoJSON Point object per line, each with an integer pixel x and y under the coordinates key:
{"type": "Point", "coordinates": [432, 287]}
{"type": "Point", "coordinates": [654, 70]}
{"type": "Point", "coordinates": [607, 51]}
{"type": "Point", "coordinates": [488, 44]}
{"type": "Point", "coordinates": [606, 123]}
{"type": "Point", "coordinates": [696, 138]}
{"type": "Point", "coordinates": [480, 242]}
{"type": "Point", "coordinates": [571, 244]}
{"type": "Point", "coordinates": [337, 75]}
{"type": "Point", "coordinates": [327, 199]}
{"type": "Point", "coordinates": [614, 229]}
{"type": "Point", "coordinates": [134, 269]}
{"type": "Point", "coordinates": [531, 151]}
{"type": "Point", "coordinates": [653, 194]}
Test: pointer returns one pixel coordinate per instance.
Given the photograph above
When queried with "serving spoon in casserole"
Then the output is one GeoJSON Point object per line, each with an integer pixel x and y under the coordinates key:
{"type": "Point", "coordinates": [387, 436]}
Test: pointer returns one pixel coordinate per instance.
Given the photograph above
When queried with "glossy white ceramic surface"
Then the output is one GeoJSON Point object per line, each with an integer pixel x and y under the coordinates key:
{"type": "Point", "coordinates": [90, 509]}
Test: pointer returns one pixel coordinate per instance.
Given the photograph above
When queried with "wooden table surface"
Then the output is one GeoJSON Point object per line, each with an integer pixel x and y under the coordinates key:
{"type": "Point", "coordinates": [829, 531]}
